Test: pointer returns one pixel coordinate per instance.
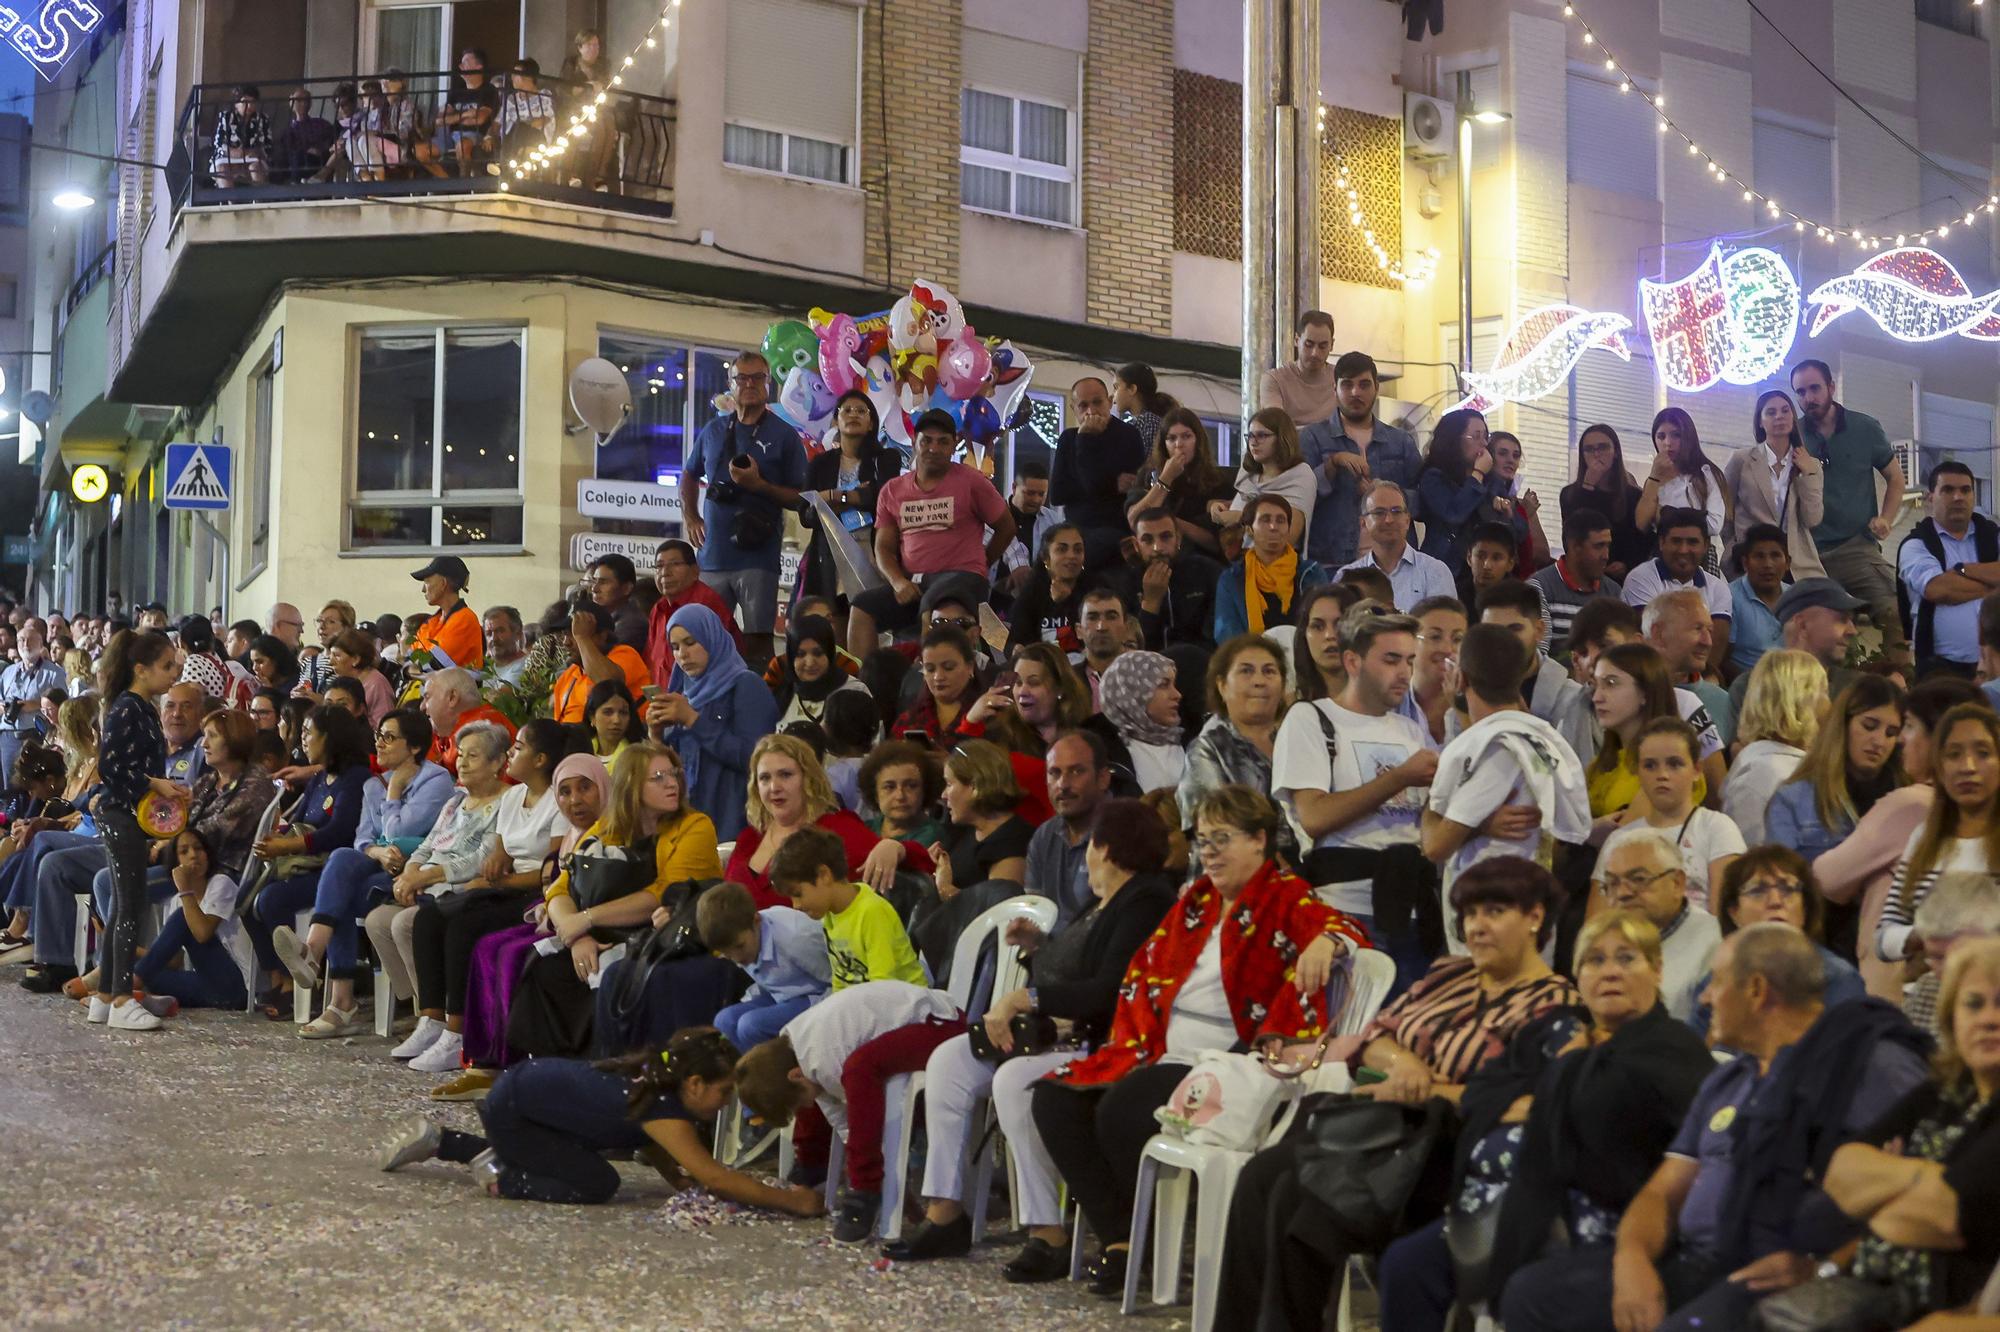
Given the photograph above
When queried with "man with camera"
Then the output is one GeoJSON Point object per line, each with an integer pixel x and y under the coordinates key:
{"type": "Point", "coordinates": [21, 688]}
{"type": "Point", "coordinates": [930, 526]}
{"type": "Point", "coordinates": [756, 467]}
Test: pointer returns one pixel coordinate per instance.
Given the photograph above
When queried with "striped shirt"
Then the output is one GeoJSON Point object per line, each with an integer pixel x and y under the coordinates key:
{"type": "Point", "coordinates": [1562, 599]}
{"type": "Point", "coordinates": [1447, 1021]}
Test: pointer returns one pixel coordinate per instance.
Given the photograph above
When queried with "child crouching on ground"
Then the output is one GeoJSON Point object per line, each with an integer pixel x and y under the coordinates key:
{"type": "Point", "coordinates": [549, 1121]}
{"type": "Point", "coordinates": [783, 951]}
{"type": "Point", "coordinates": [830, 1064]}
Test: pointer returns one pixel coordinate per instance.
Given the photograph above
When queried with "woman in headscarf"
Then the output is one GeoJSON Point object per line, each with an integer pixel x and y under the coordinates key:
{"type": "Point", "coordinates": [715, 710]}
{"type": "Point", "coordinates": [582, 788]}
{"type": "Point", "coordinates": [812, 672]}
{"type": "Point", "coordinates": [1138, 696]}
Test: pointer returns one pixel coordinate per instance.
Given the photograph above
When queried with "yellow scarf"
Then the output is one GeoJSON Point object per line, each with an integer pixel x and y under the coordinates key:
{"type": "Point", "coordinates": [1262, 580]}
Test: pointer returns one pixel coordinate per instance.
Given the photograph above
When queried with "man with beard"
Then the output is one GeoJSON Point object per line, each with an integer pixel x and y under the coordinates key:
{"type": "Point", "coordinates": [1854, 450]}
{"type": "Point", "coordinates": [1346, 451]}
{"type": "Point", "coordinates": [1079, 776]}
{"type": "Point", "coordinates": [1096, 462]}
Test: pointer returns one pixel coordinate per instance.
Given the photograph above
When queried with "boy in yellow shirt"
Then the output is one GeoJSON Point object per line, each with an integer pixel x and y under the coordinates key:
{"type": "Point", "coordinates": [865, 939]}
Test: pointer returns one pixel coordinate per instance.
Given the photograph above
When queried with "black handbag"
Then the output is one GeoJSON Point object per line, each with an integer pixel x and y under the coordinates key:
{"type": "Point", "coordinates": [1034, 1033]}
{"type": "Point", "coordinates": [1364, 1162]}
{"type": "Point", "coordinates": [672, 942]}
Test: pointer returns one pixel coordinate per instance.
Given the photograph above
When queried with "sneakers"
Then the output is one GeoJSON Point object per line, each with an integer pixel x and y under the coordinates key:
{"type": "Point", "coordinates": [15, 950]}
{"type": "Point", "coordinates": [441, 1055]}
{"type": "Point", "coordinates": [47, 980]}
{"type": "Point", "coordinates": [418, 1041]}
{"type": "Point", "coordinates": [292, 951]}
{"type": "Point", "coordinates": [130, 1016]}
{"type": "Point", "coordinates": [416, 1141]}
{"type": "Point", "coordinates": [486, 1169]}
{"type": "Point", "coordinates": [855, 1221]}
{"type": "Point", "coordinates": [470, 1085]}
{"type": "Point", "coordinates": [333, 1023]}
{"type": "Point", "coordinates": [100, 1009]}
{"type": "Point", "coordinates": [952, 1239]}
{"type": "Point", "coordinates": [162, 1005]}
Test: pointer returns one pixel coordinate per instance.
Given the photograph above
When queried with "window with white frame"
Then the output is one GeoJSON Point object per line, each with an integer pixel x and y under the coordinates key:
{"type": "Point", "coordinates": [673, 386]}
{"type": "Point", "coordinates": [1018, 128]}
{"type": "Point", "coordinates": [437, 442]}
{"type": "Point", "coordinates": [790, 88]}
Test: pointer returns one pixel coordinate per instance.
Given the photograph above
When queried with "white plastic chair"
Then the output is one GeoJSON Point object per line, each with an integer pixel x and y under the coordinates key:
{"type": "Point", "coordinates": [901, 1091]}
{"type": "Point", "coordinates": [1169, 1166]}
{"type": "Point", "coordinates": [302, 996]}
{"type": "Point", "coordinates": [385, 1004]}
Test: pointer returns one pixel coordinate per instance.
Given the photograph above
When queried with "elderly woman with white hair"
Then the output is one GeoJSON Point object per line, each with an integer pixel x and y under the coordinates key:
{"type": "Point", "coordinates": [450, 858]}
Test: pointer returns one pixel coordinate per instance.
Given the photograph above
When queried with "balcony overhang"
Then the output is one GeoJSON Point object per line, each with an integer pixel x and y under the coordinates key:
{"type": "Point", "coordinates": [229, 262]}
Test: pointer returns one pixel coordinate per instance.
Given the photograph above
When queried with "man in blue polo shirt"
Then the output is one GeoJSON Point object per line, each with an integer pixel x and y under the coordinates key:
{"type": "Point", "coordinates": [755, 467]}
{"type": "Point", "coordinates": [1347, 451]}
{"type": "Point", "coordinates": [1754, 628]}
{"type": "Point", "coordinates": [1949, 564]}
{"type": "Point", "coordinates": [1855, 450]}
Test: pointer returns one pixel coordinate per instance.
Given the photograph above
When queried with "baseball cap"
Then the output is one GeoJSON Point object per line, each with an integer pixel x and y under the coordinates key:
{"type": "Point", "coordinates": [452, 567]}
{"type": "Point", "coordinates": [1810, 592]}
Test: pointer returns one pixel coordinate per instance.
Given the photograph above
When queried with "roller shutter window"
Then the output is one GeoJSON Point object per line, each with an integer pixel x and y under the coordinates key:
{"type": "Point", "coordinates": [789, 88]}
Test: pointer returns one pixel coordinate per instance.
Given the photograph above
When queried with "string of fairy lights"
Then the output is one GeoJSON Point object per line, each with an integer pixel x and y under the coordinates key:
{"type": "Point", "coordinates": [1773, 208]}
{"type": "Point", "coordinates": [544, 155]}
{"type": "Point", "coordinates": [1421, 269]}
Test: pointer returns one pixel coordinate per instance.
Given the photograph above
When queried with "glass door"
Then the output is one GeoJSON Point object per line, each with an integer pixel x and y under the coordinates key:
{"type": "Point", "coordinates": [412, 38]}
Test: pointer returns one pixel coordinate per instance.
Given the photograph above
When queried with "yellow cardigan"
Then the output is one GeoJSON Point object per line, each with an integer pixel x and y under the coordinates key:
{"type": "Point", "coordinates": [686, 850]}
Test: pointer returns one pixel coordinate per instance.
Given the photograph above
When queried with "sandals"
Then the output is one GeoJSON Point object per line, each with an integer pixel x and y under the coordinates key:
{"type": "Point", "coordinates": [333, 1023]}
{"type": "Point", "coordinates": [275, 1004]}
{"type": "Point", "coordinates": [291, 951]}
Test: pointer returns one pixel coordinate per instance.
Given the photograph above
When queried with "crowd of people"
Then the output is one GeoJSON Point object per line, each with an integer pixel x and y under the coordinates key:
{"type": "Point", "coordinates": [380, 128]}
{"type": "Point", "coordinates": [1688, 892]}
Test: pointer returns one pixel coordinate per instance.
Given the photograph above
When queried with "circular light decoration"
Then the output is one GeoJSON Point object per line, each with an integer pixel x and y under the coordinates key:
{"type": "Point", "coordinates": [1763, 308]}
{"type": "Point", "coordinates": [89, 483]}
{"type": "Point", "coordinates": [1541, 350]}
{"type": "Point", "coordinates": [1914, 294]}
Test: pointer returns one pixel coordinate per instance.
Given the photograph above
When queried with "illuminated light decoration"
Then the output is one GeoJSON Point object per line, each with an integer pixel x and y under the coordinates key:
{"type": "Point", "coordinates": [1688, 322]}
{"type": "Point", "coordinates": [1913, 294]}
{"type": "Point", "coordinates": [1541, 350]}
{"type": "Point", "coordinates": [1763, 303]}
{"type": "Point", "coordinates": [52, 36]}
{"type": "Point", "coordinates": [1416, 273]}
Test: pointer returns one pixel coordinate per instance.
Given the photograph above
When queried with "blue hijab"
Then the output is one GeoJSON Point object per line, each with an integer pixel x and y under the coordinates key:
{"type": "Point", "coordinates": [725, 663]}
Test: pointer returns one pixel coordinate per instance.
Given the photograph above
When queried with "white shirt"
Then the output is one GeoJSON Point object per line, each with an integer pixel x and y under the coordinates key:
{"type": "Point", "coordinates": [1157, 765]}
{"type": "Point", "coordinates": [1703, 837]}
{"type": "Point", "coordinates": [1649, 579]}
{"type": "Point", "coordinates": [827, 1033]}
{"type": "Point", "coordinates": [1679, 494]}
{"type": "Point", "coordinates": [1199, 1019]}
{"type": "Point", "coordinates": [526, 833]}
{"type": "Point", "coordinates": [1687, 948]}
{"type": "Point", "coordinates": [1762, 767]}
{"type": "Point", "coordinates": [1781, 474]}
{"type": "Point", "coordinates": [219, 900]}
{"type": "Point", "coordinates": [1296, 484]}
{"type": "Point", "coordinates": [1695, 713]}
{"type": "Point", "coordinates": [1365, 748]}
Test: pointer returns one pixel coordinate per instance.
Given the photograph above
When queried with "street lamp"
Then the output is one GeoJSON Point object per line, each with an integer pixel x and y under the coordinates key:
{"type": "Point", "coordinates": [1467, 115]}
{"type": "Point", "coordinates": [73, 200]}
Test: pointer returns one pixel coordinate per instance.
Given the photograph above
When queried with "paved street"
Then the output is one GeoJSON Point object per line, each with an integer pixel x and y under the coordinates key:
{"type": "Point", "coordinates": [218, 1175]}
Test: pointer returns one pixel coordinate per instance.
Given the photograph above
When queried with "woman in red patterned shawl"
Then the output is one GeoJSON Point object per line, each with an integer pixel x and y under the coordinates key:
{"type": "Point", "coordinates": [1241, 961]}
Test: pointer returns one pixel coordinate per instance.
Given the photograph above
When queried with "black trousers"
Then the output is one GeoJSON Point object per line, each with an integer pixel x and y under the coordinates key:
{"type": "Point", "coordinates": [1269, 1278]}
{"type": "Point", "coordinates": [444, 934]}
{"type": "Point", "coordinates": [1095, 1136]}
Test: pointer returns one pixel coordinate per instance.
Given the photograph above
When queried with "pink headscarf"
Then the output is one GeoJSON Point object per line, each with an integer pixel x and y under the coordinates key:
{"type": "Point", "coordinates": [588, 766]}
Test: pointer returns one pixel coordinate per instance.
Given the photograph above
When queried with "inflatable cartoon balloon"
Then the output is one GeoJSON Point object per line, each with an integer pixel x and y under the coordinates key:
{"type": "Point", "coordinates": [926, 319]}
{"type": "Point", "coordinates": [839, 340]}
{"type": "Point", "coordinates": [883, 391]}
{"type": "Point", "coordinates": [790, 343]}
{"type": "Point", "coordinates": [978, 421]}
{"type": "Point", "coordinates": [963, 365]}
{"type": "Point", "coordinates": [1012, 374]}
{"type": "Point", "coordinates": [806, 401]}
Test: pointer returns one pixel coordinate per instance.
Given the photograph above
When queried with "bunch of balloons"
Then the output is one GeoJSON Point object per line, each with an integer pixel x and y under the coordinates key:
{"type": "Point", "coordinates": [918, 354]}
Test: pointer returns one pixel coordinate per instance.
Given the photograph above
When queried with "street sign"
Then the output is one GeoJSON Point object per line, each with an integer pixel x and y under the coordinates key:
{"type": "Point", "coordinates": [586, 548]}
{"type": "Point", "coordinates": [197, 476]}
{"type": "Point", "coordinates": [89, 483]}
{"type": "Point", "coordinates": [641, 501]}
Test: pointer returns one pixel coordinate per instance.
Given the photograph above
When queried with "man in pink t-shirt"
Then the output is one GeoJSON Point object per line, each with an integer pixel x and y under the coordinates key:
{"type": "Point", "coordinates": [943, 521]}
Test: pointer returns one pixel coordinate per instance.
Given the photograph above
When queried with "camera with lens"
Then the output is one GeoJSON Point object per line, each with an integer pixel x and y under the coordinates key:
{"type": "Point", "coordinates": [726, 491]}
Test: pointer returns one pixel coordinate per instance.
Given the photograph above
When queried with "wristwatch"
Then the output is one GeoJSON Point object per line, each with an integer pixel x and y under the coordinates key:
{"type": "Point", "coordinates": [1827, 1268]}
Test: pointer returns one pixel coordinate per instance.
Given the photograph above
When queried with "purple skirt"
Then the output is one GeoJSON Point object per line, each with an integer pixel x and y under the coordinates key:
{"type": "Point", "coordinates": [498, 960]}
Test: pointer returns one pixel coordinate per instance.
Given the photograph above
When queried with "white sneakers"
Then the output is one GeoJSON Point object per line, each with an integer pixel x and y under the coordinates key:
{"type": "Point", "coordinates": [100, 1010]}
{"type": "Point", "coordinates": [417, 1140]}
{"type": "Point", "coordinates": [418, 1041]}
{"type": "Point", "coordinates": [442, 1055]}
{"type": "Point", "coordinates": [129, 1016]}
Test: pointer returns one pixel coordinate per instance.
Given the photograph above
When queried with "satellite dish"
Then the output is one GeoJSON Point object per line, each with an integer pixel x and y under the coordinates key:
{"type": "Point", "coordinates": [38, 407]}
{"type": "Point", "coordinates": [600, 397]}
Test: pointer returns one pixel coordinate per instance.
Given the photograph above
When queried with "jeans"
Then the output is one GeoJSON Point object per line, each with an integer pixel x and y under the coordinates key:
{"type": "Point", "coordinates": [17, 875]}
{"type": "Point", "coordinates": [1405, 951]}
{"type": "Point", "coordinates": [64, 875]}
{"type": "Point", "coordinates": [279, 903]}
{"type": "Point", "coordinates": [758, 1019]}
{"type": "Point", "coordinates": [1417, 1282]}
{"type": "Point", "coordinates": [211, 979]}
{"type": "Point", "coordinates": [549, 1120]}
{"type": "Point", "coordinates": [349, 885]}
{"type": "Point", "coordinates": [1572, 1293]}
{"type": "Point", "coordinates": [127, 846]}
{"type": "Point", "coordinates": [159, 888]}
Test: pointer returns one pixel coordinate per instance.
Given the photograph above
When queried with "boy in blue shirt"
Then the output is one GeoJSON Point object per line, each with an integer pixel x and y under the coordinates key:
{"type": "Point", "coordinates": [783, 950]}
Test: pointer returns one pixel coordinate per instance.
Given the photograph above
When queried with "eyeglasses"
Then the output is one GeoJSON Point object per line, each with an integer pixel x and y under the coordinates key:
{"type": "Point", "coordinates": [388, 737]}
{"type": "Point", "coordinates": [964, 622]}
{"type": "Point", "coordinates": [751, 378]}
{"type": "Point", "coordinates": [1386, 513]}
{"type": "Point", "coordinates": [1255, 435]}
{"type": "Point", "coordinates": [1589, 449]}
{"type": "Point", "coordinates": [1217, 842]}
{"type": "Point", "coordinates": [1771, 890]}
{"type": "Point", "coordinates": [1638, 880]}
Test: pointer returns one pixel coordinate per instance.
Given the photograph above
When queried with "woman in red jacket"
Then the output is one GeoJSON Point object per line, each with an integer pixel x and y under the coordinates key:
{"type": "Point", "coordinates": [789, 790]}
{"type": "Point", "coordinates": [1242, 959]}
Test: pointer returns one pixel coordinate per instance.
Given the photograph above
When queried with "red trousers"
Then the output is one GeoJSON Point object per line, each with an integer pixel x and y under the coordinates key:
{"type": "Point", "coordinates": [862, 1082]}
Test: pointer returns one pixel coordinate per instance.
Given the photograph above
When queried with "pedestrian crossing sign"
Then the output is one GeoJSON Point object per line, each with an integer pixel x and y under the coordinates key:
{"type": "Point", "coordinates": [197, 476]}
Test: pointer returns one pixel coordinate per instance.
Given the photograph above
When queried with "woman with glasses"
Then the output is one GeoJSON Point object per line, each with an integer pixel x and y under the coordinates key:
{"type": "Point", "coordinates": [1242, 959]}
{"type": "Point", "coordinates": [1774, 883]}
{"type": "Point", "coordinates": [1604, 486]}
{"type": "Point", "coordinates": [1451, 498]}
{"type": "Point", "coordinates": [398, 810]}
{"type": "Point", "coordinates": [323, 820]}
{"type": "Point", "coordinates": [1272, 465]}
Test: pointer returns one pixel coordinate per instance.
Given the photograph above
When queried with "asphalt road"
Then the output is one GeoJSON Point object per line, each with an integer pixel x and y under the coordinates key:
{"type": "Point", "coordinates": [218, 1175]}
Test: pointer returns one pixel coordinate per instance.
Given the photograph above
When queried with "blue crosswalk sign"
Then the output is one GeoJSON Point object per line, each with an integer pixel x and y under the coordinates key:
{"type": "Point", "coordinates": [197, 476]}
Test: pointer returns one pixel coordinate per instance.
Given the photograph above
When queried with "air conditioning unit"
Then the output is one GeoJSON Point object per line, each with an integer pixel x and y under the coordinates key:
{"type": "Point", "coordinates": [1427, 127]}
